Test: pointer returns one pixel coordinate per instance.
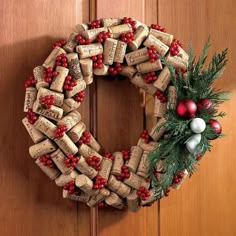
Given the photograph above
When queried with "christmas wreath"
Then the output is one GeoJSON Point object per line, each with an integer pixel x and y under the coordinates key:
{"type": "Point", "coordinates": [185, 107]}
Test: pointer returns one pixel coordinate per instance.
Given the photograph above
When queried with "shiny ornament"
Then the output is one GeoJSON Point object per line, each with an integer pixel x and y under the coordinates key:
{"type": "Point", "coordinates": [205, 103]}
{"type": "Point", "coordinates": [216, 127]}
{"type": "Point", "coordinates": [192, 142]}
{"type": "Point", "coordinates": [186, 108]}
{"type": "Point", "coordinates": [198, 125]}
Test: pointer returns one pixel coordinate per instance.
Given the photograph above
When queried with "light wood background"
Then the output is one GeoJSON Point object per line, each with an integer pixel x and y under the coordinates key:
{"type": "Point", "coordinates": [30, 203]}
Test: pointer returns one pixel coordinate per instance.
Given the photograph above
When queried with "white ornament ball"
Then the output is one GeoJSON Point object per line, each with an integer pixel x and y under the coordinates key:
{"type": "Point", "coordinates": [198, 125]}
{"type": "Point", "coordinates": [192, 142]}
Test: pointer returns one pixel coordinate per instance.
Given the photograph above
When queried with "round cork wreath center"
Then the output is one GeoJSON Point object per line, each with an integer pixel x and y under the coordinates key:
{"type": "Point", "coordinates": [151, 59]}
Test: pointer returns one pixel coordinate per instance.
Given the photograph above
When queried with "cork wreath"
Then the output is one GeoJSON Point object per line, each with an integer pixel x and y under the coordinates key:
{"type": "Point", "coordinates": [185, 107]}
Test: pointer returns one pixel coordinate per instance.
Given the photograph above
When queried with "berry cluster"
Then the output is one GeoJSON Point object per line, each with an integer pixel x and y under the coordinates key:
{"type": "Point", "coordinates": [125, 173]}
{"type": "Point", "coordinates": [95, 24]}
{"type": "Point", "coordinates": [79, 97]}
{"type": "Point", "coordinates": [150, 77]}
{"type": "Point", "coordinates": [60, 130]}
{"type": "Point", "coordinates": [143, 193]}
{"type": "Point", "coordinates": [69, 83]}
{"type": "Point", "coordinates": [85, 138]}
{"type": "Point", "coordinates": [48, 74]}
{"type": "Point", "coordinates": [160, 95]}
{"type": "Point", "coordinates": [31, 116]}
{"type": "Point", "coordinates": [59, 43]}
{"type": "Point", "coordinates": [153, 56]}
{"type": "Point", "coordinates": [145, 136]}
{"type": "Point", "coordinates": [47, 161]}
{"type": "Point", "coordinates": [31, 81]}
{"type": "Point", "coordinates": [102, 205]}
{"type": "Point", "coordinates": [115, 69]}
{"type": "Point", "coordinates": [108, 155]}
{"type": "Point", "coordinates": [179, 70]}
{"type": "Point", "coordinates": [71, 188]}
{"type": "Point", "coordinates": [178, 177]}
{"type": "Point", "coordinates": [198, 156]}
{"type": "Point", "coordinates": [82, 40]}
{"type": "Point", "coordinates": [127, 37]}
{"type": "Point", "coordinates": [94, 162]}
{"type": "Point", "coordinates": [174, 47]}
{"type": "Point", "coordinates": [102, 36]}
{"type": "Point", "coordinates": [97, 61]}
{"type": "Point", "coordinates": [47, 101]}
{"type": "Point", "coordinates": [71, 161]}
{"type": "Point", "coordinates": [129, 20]}
{"type": "Point", "coordinates": [158, 27]}
{"type": "Point", "coordinates": [61, 60]}
{"type": "Point", "coordinates": [167, 192]}
{"type": "Point", "coordinates": [126, 154]}
{"type": "Point", "coordinates": [99, 183]}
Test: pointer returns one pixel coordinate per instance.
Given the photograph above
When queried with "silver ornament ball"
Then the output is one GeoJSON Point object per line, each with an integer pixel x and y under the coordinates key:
{"type": "Point", "coordinates": [198, 125]}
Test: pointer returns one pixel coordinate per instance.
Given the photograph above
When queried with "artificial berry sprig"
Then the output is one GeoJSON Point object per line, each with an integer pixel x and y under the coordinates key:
{"type": "Point", "coordinates": [153, 56]}
{"type": "Point", "coordinates": [95, 24]}
{"type": "Point", "coordinates": [82, 41]}
{"type": "Point", "coordinates": [115, 69]}
{"type": "Point", "coordinates": [129, 20]}
{"type": "Point", "coordinates": [198, 156]}
{"type": "Point", "coordinates": [125, 173]}
{"type": "Point", "coordinates": [71, 188]}
{"type": "Point", "coordinates": [47, 101]}
{"type": "Point", "coordinates": [108, 155]}
{"type": "Point", "coordinates": [102, 205]}
{"type": "Point", "coordinates": [86, 136]}
{"type": "Point", "coordinates": [143, 193]}
{"type": "Point", "coordinates": [160, 95]}
{"type": "Point", "coordinates": [150, 77]}
{"type": "Point", "coordinates": [30, 82]}
{"type": "Point", "coordinates": [102, 36]}
{"type": "Point", "coordinates": [94, 162]}
{"type": "Point", "coordinates": [71, 161]}
{"type": "Point", "coordinates": [97, 61]}
{"type": "Point", "coordinates": [177, 178]}
{"type": "Point", "coordinates": [31, 116]}
{"type": "Point", "coordinates": [158, 27]}
{"type": "Point", "coordinates": [69, 83]}
{"type": "Point", "coordinates": [167, 192]}
{"type": "Point", "coordinates": [179, 70]}
{"type": "Point", "coordinates": [79, 97]}
{"type": "Point", "coordinates": [61, 60]}
{"type": "Point", "coordinates": [145, 136]}
{"type": "Point", "coordinates": [47, 161]}
{"type": "Point", "coordinates": [100, 182]}
{"type": "Point", "coordinates": [60, 131]}
{"type": "Point", "coordinates": [127, 37]}
{"type": "Point", "coordinates": [48, 74]}
{"type": "Point", "coordinates": [59, 43]}
{"type": "Point", "coordinates": [174, 47]}
{"type": "Point", "coordinates": [126, 154]}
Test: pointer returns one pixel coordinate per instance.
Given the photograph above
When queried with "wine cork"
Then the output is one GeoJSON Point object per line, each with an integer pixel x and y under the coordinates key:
{"type": "Point", "coordinates": [146, 146]}
{"type": "Point", "coordinates": [139, 23]}
{"type": "Point", "coordinates": [159, 108]}
{"type": "Point", "coordinates": [86, 184]}
{"type": "Point", "coordinates": [74, 66]}
{"type": "Point", "coordinates": [63, 179]}
{"type": "Point", "coordinates": [135, 157]}
{"type": "Point", "coordinates": [115, 201]}
{"type": "Point", "coordinates": [163, 79]}
{"type": "Point", "coordinates": [52, 173]}
{"type": "Point", "coordinates": [101, 72]}
{"type": "Point", "coordinates": [108, 22]}
{"type": "Point", "coordinates": [45, 126]}
{"type": "Point", "coordinates": [87, 151]}
{"type": "Point", "coordinates": [77, 131]}
{"type": "Point", "coordinates": [82, 197]}
{"type": "Point", "coordinates": [71, 42]}
{"type": "Point", "coordinates": [103, 194]}
{"type": "Point", "coordinates": [140, 82]}
{"type": "Point", "coordinates": [66, 145]}
{"type": "Point", "coordinates": [150, 199]}
{"type": "Point", "coordinates": [58, 158]}
{"type": "Point", "coordinates": [135, 181]}
{"type": "Point", "coordinates": [106, 166]}
{"type": "Point", "coordinates": [178, 185]}
{"type": "Point", "coordinates": [117, 30]}
{"type": "Point", "coordinates": [58, 97]}
{"type": "Point", "coordinates": [162, 36]}
{"type": "Point", "coordinates": [159, 169]}
{"type": "Point", "coordinates": [59, 79]}
{"type": "Point", "coordinates": [158, 130]}
{"type": "Point", "coordinates": [70, 120]}
{"type": "Point", "coordinates": [143, 168]}
{"type": "Point", "coordinates": [35, 134]}
{"type": "Point", "coordinates": [128, 71]}
{"type": "Point", "coordinates": [183, 55]}
{"type": "Point", "coordinates": [70, 104]}
{"type": "Point", "coordinates": [133, 202]}
{"type": "Point", "coordinates": [109, 51]}
{"type": "Point", "coordinates": [38, 75]}
{"type": "Point", "coordinates": [51, 59]}
{"type": "Point", "coordinates": [140, 35]}
{"type": "Point", "coordinates": [161, 48]}
{"type": "Point", "coordinates": [93, 143]}
{"type": "Point", "coordinates": [137, 56]}
{"type": "Point", "coordinates": [89, 50]}
{"type": "Point", "coordinates": [93, 33]}
{"type": "Point", "coordinates": [85, 168]}
{"type": "Point", "coordinates": [120, 52]}
{"type": "Point", "coordinates": [80, 86]}
{"type": "Point", "coordinates": [42, 148]}
{"type": "Point", "coordinates": [88, 79]}
{"type": "Point", "coordinates": [81, 27]}
{"type": "Point", "coordinates": [172, 97]}
{"type": "Point", "coordinates": [87, 70]}
{"type": "Point", "coordinates": [30, 97]}
{"type": "Point", "coordinates": [117, 163]}
{"type": "Point", "coordinates": [54, 113]}
{"type": "Point", "coordinates": [177, 62]}
{"type": "Point", "coordinates": [148, 66]}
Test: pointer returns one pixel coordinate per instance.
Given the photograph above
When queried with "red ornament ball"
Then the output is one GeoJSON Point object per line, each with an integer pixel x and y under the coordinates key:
{"type": "Point", "coordinates": [204, 103]}
{"type": "Point", "coordinates": [186, 108]}
{"type": "Point", "coordinates": [216, 126]}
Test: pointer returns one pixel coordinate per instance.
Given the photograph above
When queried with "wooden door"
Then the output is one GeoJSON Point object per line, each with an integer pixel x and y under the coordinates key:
{"type": "Point", "coordinates": [30, 203]}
